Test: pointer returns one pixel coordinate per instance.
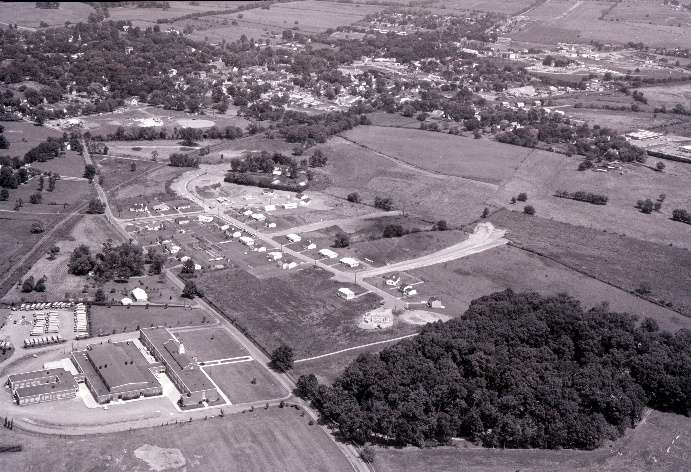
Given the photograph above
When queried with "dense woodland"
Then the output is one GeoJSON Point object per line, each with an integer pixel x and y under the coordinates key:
{"type": "Point", "coordinates": [517, 371]}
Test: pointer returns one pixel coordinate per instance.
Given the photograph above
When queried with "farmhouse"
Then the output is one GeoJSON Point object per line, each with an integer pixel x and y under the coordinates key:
{"type": "Point", "coordinates": [393, 280]}
{"type": "Point", "coordinates": [328, 253]}
{"type": "Point", "coordinates": [346, 293]}
{"type": "Point", "coordinates": [350, 262]}
{"type": "Point", "coordinates": [183, 370]}
{"type": "Point", "coordinates": [140, 295]}
{"type": "Point", "coordinates": [42, 386]}
{"type": "Point", "coordinates": [117, 371]}
{"type": "Point", "coordinates": [293, 238]}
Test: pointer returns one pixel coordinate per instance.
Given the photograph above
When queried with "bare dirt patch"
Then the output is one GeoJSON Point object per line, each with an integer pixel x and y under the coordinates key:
{"type": "Point", "coordinates": [159, 458]}
{"type": "Point", "coordinates": [379, 318]}
{"type": "Point", "coordinates": [421, 317]}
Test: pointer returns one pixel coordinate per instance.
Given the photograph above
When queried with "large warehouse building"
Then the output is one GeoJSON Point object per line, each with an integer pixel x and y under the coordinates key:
{"type": "Point", "coordinates": [117, 371]}
{"type": "Point", "coordinates": [183, 370]}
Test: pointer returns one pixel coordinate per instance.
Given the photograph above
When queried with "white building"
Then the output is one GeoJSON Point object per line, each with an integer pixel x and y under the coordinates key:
{"type": "Point", "coordinates": [247, 241]}
{"type": "Point", "coordinates": [328, 253]}
{"type": "Point", "coordinates": [350, 262]}
{"type": "Point", "coordinates": [346, 293]}
{"type": "Point", "coordinates": [205, 218]}
{"type": "Point", "coordinates": [293, 238]}
{"type": "Point", "coordinates": [140, 295]}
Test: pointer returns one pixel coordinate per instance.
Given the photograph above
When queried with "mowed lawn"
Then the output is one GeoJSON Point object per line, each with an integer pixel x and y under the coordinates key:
{"type": "Point", "coordinates": [211, 344]}
{"type": "Point", "coordinates": [265, 440]}
{"type": "Point", "coordinates": [477, 159]}
{"type": "Point", "coordinates": [236, 382]}
{"type": "Point", "coordinates": [660, 443]}
{"type": "Point", "coordinates": [301, 309]}
{"type": "Point", "coordinates": [119, 319]}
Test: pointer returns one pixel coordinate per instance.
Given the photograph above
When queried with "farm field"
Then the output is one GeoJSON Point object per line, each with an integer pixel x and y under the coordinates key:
{"type": "Point", "coordinates": [68, 195]}
{"type": "Point", "coordinates": [120, 319]}
{"type": "Point", "coordinates": [259, 441]}
{"type": "Point", "coordinates": [620, 260]}
{"type": "Point", "coordinates": [21, 135]}
{"type": "Point", "coordinates": [70, 165]}
{"type": "Point", "coordinates": [459, 282]}
{"type": "Point", "coordinates": [542, 174]}
{"type": "Point", "coordinates": [25, 14]}
{"type": "Point", "coordinates": [150, 15]}
{"type": "Point", "coordinates": [236, 382]}
{"type": "Point", "coordinates": [301, 309]}
{"type": "Point", "coordinates": [651, 446]}
{"type": "Point", "coordinates": [566, 21]}
{"type": "Point", "coordinates": [476, 159]}
{"type": "Point", "coordinates": [211, 344]}
{"type": "Point", "coordinates": [431, 197]}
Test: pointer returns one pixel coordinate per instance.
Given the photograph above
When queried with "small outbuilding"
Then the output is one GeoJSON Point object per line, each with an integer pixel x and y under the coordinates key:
{"type": "Point", "coordinates": [126, 301]}
{"type": "Point", "coordinates": [140, 295]}
{"type": "Point", "coordinates": [346, 293]}
{"type": "Point", "coordinates": [293, 238]}
{"type": "Point", "coordinates": [350, 262]}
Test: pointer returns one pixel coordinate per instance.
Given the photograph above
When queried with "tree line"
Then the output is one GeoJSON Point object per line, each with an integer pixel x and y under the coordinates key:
{"type": "Point", "coordinates": [581, 196]}
{"type": "Point", "coordinates": [516, 371]}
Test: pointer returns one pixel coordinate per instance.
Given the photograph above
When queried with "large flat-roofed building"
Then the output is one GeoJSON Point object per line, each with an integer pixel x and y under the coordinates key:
{"type": "Point", "coordinates": [42, 386]}
{"type": "Point", "coordinates": [117, 371]}
{"type": "Point", "coordinates": [181, 367]}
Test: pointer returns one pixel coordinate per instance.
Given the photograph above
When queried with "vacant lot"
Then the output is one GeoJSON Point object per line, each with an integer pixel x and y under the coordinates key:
{"type": "Point", "coordinates": [476, 159]}
{"type": "Point", "coordinates": [660, 443]}
{"type": "Point", "coordinates": [236, 382]}
{"type": "Point", "coordinates": [302, 310]}
{"type": "Point", "coordinates": [120, 319]}
{"type": "Point", "coordinates": [26, 14]}
{"type": "Point", "coordinates": [543, 173]}
{"type": "Point", "coordinates": [211, 344]}
{"type": "Point", "coordinates": [622, 261]}
{"type": "Point", "coordinates": [273, 439]}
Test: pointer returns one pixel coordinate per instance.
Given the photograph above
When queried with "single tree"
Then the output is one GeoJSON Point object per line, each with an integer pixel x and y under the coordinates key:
{"type": "Point", "coordinates": [660, 166]}
{"type": "Point", "coordinates": [53, 252]}
{"type": "Point", "coordinates": [367, 454]}
{"type": "Point", "coordinates": [522, 197]}
{"type": "Point", "coordinates": [4, 195]}
{"type": "Point", "coordinates": [89, 172]}
{"type": "Point", "coordinates": [133, 167]}
{"type": "Point", "coordinates": [282, 358]}
{"type": "Point", "coordinates": [40, 284]}
{"type": "Point", "coordinates": [100, 296]}
{"type": "Point", "coordinates": [393, 231]}
{"type": "Point", "coordinates": [188, 268]}
{"type": "Point", "coordinates": [529, 210]}
{"type": "Point", "coordinates": [485, 213]}
{"type": "Point", "coordinates": [36, 198]}
{"type": "Point", "coordinates": [307, 386]}
{"type": "Point", "coordinates": [38, 227]}
{"type": "Point", "coordinates": [353, 197]}
{"type": "Point", "coordinates": [440, 225]}
{"type": "Point", "coordinates": [342, 239]}
{"type": "Point", "coordinates": [191, 290]}
{"type": "Point", "coordinates": [96, 207]}
{"type": "Point", "coordinates": [28, 285]}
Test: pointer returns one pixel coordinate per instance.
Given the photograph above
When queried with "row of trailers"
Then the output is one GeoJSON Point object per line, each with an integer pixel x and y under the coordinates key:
{"type": "Point", "coordinates": [80, 321]}
{"type": "Point", "coordinates": [44, 341]}
{"type": "Point", "coordinates": [43, 306]}
{"type": "Point", "coordinates": [45, 323]}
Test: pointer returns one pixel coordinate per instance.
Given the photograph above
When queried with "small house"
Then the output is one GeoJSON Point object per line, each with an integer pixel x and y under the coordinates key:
{"type": "Point", "coordinates": [290, 206]}
{"type": "Point", "coordinates": [350, 262]}
{"type": "Point", "coordinates": [160, 207]}
{"type": "Point", "coordinates": [328, 253]}
{"type": "Point", "coordinates": [126, 301]}
{"type": "Point", "coordinates": [346, 293]}
{"type": "Point", "coordinates": [274, 256]}
{"type": "Point", "coordinates": [393, 280]}
{"type": "Point", "coordinates": [270, 224]}
{"type": "Point", "coordinates": [247, 241]}
{"type": "Point", "coordinates": [289, 265]}
{"type": "Point", "coordinates": [269, 207]}
{"type": "Point", "coordinates": [434, 302]}
{"type": "Point", "coordinates": [293, 238]}
{"type": "Point", "coordinates": [205, 218]}
{"type": "Point", "coordinates": [237, 234]}
{"type": "Point", "coordinates": [309, 245]}
{"type": "Point", "coordinates": [258, 216]}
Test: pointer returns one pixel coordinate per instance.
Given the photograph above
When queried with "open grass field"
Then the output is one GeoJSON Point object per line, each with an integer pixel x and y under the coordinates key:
{"type": "Point", "coordinates": [67, 195]}
{"type": "Point", "coordinates": [27, 15]}
{"type": "Point", "coordinates": [476, 159]}
{"type": "Point", "coordinates": [21, 135]}
{"type": "Point", "coordinates": [302, 310]}
{"type": "Point", "coordinates": [507, 7]}
{"type": "Point", "coordinates": [236, 382]}
{"type": "Point", "coordinates": [150, 15]}
{"type": "Point", "coordinates": [118, 172]}
{"type": "Point", "coordinates": [622, 261]}
{"type": "Point", "coordinates": [265, 440]}
{"type": "Point", "coordinates": [568, 21]}
{"type": "Point", "coordinates": [660, 443]}
{"type": "Point", "coordinates": [543, 173]}
{"type": "Point", "coordinates": [71, 165]}
{"type": "Point", "coordinates": [120, 319]}
{"type": "Point", "coordinates": [148, 187]}
{"type": "Point", "coordinates": [431, 197]}
{"type": "Point", "coordinates": [211, 344]}
{"type": "Point", "coordinates": [459, 282]}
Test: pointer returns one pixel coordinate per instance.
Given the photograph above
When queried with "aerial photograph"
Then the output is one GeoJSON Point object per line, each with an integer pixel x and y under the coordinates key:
{"type": "Point", "coordinates": [345, 236]}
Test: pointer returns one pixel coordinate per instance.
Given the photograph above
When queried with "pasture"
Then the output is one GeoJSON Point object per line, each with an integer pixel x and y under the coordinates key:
{"type": "Point", "coordinates": [21, 135]}
{"type": "Point", "coordinates": [543, 173]}
{"type": "Point", "coordinates": [257, 441]}
{"type": "Point", "coordinates": [236, 382]}
{"type": "Point", "coordinates": [566, 21]}
{"type": "Point", "coordinates": [474, 159]}
{"type": "Point", "coordinates": [115, 319]}
{"type": "Point", "coordinates": [301, 309]}
{"type": "Point", "coordinates": [659, 442]}
{"type": "Point", "coordinates": [211, 344]}
{"type": "Point", "coordinates": [25, 14]}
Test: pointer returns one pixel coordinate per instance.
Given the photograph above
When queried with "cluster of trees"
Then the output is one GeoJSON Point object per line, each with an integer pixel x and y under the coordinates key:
{"type": "Point", "coordinates": [516, 371]}
{"type": "Point", "coordinates": [263, 182]}
{"type": "Point", "coordinates": [681, 215]}
{"type": "Point", "coordinates": [96, 207]}
{"type": "Point", "coordinates": [647, 206]}
{"type": "Point", "coordinates": [113, 262]}
{"type": "Point", "coordinates": [263, 162]}
{"type": "Point", "coordinates": [136, 133]}
{"type": "Point", "coordinates": [31, 285]}
{"type": "Point", "coordinates": [180, 159]}
{"type": "Point", "coordinates": [385, 203]}
{"type": "Point", "coordinates": [594, 198]}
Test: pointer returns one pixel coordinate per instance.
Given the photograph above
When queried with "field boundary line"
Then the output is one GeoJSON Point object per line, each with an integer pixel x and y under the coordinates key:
{"type": "Point", "coordinates": [356, 347]}
{"type": "Point", "coordinates": [403, 163]}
